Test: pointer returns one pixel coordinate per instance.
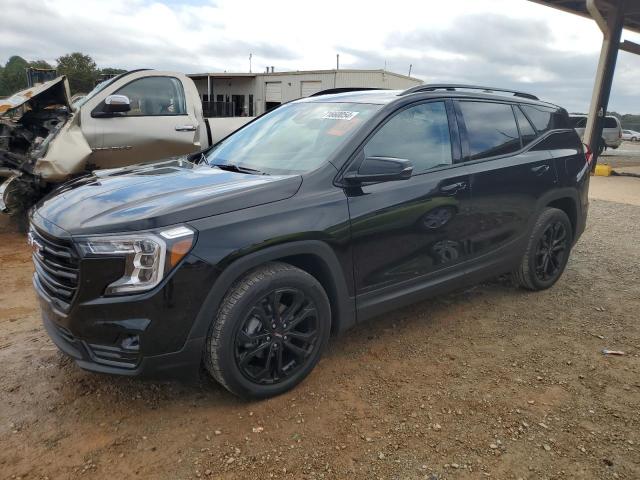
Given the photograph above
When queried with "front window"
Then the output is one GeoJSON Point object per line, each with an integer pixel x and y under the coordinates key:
{"type": "Point", "coordinates": [154, 96]}
{"type": "Point", "coordinates": [293, 139]}
{"type": "Point", "coordinates": [419, 134]}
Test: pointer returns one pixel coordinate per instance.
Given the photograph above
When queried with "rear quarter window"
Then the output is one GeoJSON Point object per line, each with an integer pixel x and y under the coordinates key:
{"type": "Point", "coordinates": [546, 118]}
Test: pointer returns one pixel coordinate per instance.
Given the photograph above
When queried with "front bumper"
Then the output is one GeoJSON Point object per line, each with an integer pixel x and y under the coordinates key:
{"type": "Point", "coordinates": [182, 364]}
{"type": "Point", "coordinates": [147, 335]}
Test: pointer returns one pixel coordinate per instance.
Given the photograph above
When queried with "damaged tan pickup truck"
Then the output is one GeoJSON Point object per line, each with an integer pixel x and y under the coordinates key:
{"type": "Point", "coordinates": [136, 117]}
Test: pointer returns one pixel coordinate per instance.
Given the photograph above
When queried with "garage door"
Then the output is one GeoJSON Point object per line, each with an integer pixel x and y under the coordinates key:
{"type": "Point", "coordinates": [273, 92]}
{"type": "Point", "coordinates": [308, 88]}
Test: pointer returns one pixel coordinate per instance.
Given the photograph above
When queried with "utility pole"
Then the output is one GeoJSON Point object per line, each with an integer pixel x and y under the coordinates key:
{"type": "Point", "coordinates": [250, 55]}
{"type": "Point", "coordinates": [410, 65]}
{"type": "Point", "coordinates": [337, 61]}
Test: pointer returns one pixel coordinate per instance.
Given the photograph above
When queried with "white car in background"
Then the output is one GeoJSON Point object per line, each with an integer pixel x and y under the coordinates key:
{"type": "Point", "coordinates": [631, 135]}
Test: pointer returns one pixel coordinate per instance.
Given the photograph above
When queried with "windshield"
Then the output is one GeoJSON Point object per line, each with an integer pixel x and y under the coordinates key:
{"type": "Point", "coordinates": [293, 139]}
{"type": "Point", "coordinates": [81, 101]}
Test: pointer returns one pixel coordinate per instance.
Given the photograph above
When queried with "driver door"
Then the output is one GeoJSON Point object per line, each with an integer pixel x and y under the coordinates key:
{"type": "Point", "coordinates": [406, 232]}
{"type": "Point", "coordinates": [158, 125]}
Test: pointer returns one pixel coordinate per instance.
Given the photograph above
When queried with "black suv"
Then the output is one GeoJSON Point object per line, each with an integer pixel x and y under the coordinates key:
{"type": "Point", "coordinates": [316, 216]}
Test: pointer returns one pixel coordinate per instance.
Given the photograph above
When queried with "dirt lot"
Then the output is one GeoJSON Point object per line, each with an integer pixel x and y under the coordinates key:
{"type": "Point", "coordinates": [491, 382]}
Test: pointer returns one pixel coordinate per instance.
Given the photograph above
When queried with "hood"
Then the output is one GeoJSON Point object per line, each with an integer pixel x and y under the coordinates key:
{"type": "Point", "coordinates": [150, 196]}
{"type": "Point", "coordinates": [52, 93]}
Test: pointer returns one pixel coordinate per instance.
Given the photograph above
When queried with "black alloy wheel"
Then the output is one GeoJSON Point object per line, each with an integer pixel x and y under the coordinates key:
{"type": "Point", "coordinates": [550, 252]}
{"type": "Point", "coordinates": [277, 337]}
{"type": "Point", "coordinates": [547, 251]}
{"type": "Point", "coordinates": [269, 331]}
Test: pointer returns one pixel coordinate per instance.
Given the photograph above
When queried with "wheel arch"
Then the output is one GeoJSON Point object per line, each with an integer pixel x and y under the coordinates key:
{"type": "Point", "coordinates": [569, 206]}
{"type": "Point", "coordinates": [313, 256]}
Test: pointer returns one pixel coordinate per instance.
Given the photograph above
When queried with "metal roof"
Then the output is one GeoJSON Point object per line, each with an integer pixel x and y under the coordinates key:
{"type": "Point", "coordinates": [579, 7]}
{"type": "Point", "coordinates": [297, 72]}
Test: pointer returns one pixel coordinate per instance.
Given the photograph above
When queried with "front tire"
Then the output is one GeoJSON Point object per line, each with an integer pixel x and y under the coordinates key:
{"type": "Point", "coordinates": [270, 331]}
{"type": "Point", "coordinates": [547, 252]}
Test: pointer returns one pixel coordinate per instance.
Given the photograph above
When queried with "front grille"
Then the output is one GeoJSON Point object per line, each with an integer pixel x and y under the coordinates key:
{"type": "Point", "coordinates": [57, 265]}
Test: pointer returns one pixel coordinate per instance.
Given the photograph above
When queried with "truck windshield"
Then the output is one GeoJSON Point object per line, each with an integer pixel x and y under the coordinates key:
{"type": "Point", "coordinates": [98, 88]}
{"type": "Point", "coordinates": [293, 139]}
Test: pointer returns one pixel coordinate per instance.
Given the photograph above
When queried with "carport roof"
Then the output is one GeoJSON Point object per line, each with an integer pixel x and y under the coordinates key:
{"type": "Point", "coordinates": [579, 7]}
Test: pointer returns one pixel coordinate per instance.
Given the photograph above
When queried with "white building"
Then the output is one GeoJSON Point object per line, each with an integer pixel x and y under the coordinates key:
{"type": "Point", "coordinates": [250, 94]}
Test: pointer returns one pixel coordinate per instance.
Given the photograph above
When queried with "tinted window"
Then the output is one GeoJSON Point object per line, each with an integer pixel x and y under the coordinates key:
{"type": "Point", "coordinates": [419, 134]}
{"type": "Point", "coordinates": [610, 122]}
{"type": "Point", "coordinates": [527, 132]}
{"type": "Point", "coordinates": [491, 128]}
{"type": "Point", "coordinates": [546, 118]}
{"type": "Point", "coordinates": [155, 96]}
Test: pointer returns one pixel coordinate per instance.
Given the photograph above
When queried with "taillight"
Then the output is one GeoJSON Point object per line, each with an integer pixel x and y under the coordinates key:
{"type": "Point", "coordinates": [588, 153]}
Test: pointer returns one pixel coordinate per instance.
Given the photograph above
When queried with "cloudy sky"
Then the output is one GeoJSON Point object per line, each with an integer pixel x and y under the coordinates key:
{"type": "Point", "coordinates": [512, 43]}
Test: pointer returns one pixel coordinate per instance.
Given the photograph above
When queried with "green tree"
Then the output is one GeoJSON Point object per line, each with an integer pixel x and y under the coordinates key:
{"type": "Point", "coordinates": [81, 71]}
{"type": "Point", "coordinates": [40, 64]}
{"type": "Point", "coordinates": [14, 75]}
{"type": "Point", "coordinates": [111, 71]}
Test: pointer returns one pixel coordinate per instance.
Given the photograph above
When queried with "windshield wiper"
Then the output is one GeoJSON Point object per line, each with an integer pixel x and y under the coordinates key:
{"type": "Point", "coordinates": [236, 168]}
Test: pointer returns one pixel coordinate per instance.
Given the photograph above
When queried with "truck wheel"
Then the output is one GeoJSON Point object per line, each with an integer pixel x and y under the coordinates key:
{"type": "Point", "coordinates": [270, 331]}
{"type": "Point", "coordinates": [547, 251]}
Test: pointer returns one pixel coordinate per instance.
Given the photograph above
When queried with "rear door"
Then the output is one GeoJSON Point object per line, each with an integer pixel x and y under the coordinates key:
{"type": "Point", "coordinates": [509, 174]}
{"type": "Point", "coordinates": [405, 232]}
{"type": "Point", "coordinates": [160, 124]}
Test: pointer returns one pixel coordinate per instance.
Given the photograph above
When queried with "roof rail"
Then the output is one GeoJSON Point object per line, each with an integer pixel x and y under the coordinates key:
{"type": "Point", "coordinates": [453, 87]}
{"type": "Point", "coordinates": [329, 91]}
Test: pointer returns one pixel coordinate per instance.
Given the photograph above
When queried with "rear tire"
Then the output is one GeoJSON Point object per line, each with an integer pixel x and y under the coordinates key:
{"type": "Point", "coordinates": [269, 333]}
{"type": "Point", "coordinates": [547, 252]}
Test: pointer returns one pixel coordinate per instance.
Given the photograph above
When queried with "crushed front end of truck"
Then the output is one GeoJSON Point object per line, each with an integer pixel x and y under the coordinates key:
{"type": "Point", "coordinates": [40, 143]}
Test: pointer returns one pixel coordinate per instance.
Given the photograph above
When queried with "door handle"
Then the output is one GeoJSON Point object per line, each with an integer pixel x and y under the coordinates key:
{"type": "Point", "coordinates": [540, 169]}
{"type": "Point", "coordinates": [185, 128]}
{"type": "Point", "coordinates": [453, 188]}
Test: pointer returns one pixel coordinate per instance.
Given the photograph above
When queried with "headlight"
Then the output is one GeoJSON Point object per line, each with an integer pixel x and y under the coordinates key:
{"type": "Point", "coordinates": [148, 256]}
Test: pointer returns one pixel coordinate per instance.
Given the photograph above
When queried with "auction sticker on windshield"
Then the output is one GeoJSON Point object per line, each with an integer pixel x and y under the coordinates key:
{"type": "Point", "coordinates": [340, 115]}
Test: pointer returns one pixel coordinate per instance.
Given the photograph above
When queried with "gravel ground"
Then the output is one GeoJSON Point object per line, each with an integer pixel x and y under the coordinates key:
{"type": "Point", "coordinates": [490, 382]}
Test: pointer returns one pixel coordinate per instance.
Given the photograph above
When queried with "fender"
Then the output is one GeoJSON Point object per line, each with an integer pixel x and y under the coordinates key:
{"type": "Point", "coordinates": [560, 194]}
{"type": "Point", "coordinates": [343, 309]}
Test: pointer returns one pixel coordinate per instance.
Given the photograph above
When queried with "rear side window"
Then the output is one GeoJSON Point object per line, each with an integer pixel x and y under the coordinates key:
{"type": "Point", "coordinates": [491, 129]}
{"type": "Point", "coordinates": [610, 122]}
{"type": "Point", "coordinates": [527, 132]}
{"type": "Point", "coordinates": [545, 119]}
{"type": "Point", "coordinates": [419, 134]}
{"type": "Point", "coordinates": [155, 96]}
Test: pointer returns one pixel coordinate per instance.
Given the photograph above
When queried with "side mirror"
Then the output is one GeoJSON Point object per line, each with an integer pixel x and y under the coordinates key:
{"type": "Point", "coordinates": [380, 169]}
{"type": "Point", "coordinates": [116, 104]}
